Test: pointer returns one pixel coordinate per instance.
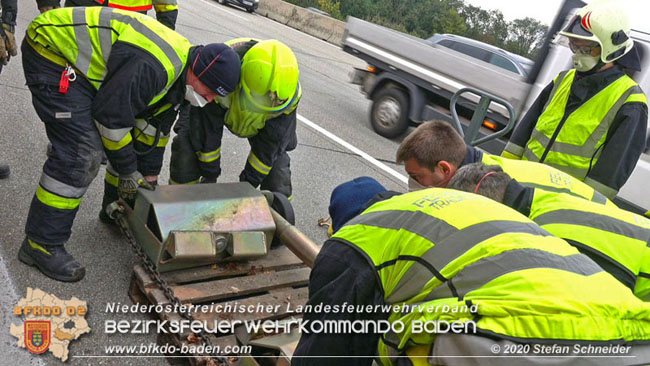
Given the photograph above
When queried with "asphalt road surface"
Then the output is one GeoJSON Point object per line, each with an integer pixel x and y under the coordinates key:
{"type": "Point", "coordinates": [330, 104]}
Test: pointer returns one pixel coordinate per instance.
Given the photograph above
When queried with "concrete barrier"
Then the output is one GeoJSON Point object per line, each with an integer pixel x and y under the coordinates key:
{"type": "Point", "coordinates": [317, 25]}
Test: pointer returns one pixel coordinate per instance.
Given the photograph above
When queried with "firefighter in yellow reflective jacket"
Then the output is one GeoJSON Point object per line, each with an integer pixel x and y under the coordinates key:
{"type": "Point", "coordinates": [434, 151]}
{"type": "Point", "coordinates": [618, 240]}
{"type": "Point", "coordinates": [590, 121]}
{"type": "Point", "coordinates": [262, 109]}
{"type": "Point", "coordinates": [166, 10]}
{"type": "Point", "coordinates": [489, 277]}
{"type": "Point", "coordinates": [118, 73]}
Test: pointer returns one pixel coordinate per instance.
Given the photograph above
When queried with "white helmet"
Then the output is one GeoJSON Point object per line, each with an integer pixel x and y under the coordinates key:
{"type": "Point", "coordinates": [606, 23]}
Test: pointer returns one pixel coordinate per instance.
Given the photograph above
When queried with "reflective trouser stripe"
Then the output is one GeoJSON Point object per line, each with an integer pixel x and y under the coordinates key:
{"type": "Point", "coordinates": [487, 269]}
{"type": "Point", "coordinates": [172, 182]}
{"type": "Point", "coordinates": [111, 177]}
{"type": "Point", "coordinates": [165, 8]}
{"type": "Point", "coordinates": [55, 193]}
{"type": "Point", "coordinates": [210, 156]}
{"type": "Point", "coordinates": [56, 201]}
{"type": "Point", "coordinates": [596, 221]}
{"type": "Point", "coordinates": [257, 164]}
{"type": "Point", "coordinates": [59, 188]}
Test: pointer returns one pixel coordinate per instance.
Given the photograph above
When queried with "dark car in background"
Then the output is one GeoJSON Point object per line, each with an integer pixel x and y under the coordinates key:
{"type": "Point", "coordinates": [249, 5]}
{"type": "Point", "coordinates": [484, 52]}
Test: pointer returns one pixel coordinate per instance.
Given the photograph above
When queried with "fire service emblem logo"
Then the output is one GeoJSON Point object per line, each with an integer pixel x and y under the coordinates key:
{"type": "Point", "coordinates": [37, 336]}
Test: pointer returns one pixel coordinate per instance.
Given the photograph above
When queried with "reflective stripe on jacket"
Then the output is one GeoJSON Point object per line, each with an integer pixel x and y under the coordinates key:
{"type": "Point", "coordinates": [83, 38]}
{"type": "Point", "coordinates": [439, 247]}
{"type": "Point", "coordinates": [573, 143]}
{"type": "Point", "coordinates": [141, 5]}
{"type": "Point", "coordinates": [538, 175]}
{"type": "Point", "coordinates": [619, 237]}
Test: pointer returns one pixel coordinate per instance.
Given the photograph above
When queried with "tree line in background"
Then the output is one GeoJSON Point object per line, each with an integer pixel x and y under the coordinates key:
{"type": "Point", "coordinates": [423, 18]}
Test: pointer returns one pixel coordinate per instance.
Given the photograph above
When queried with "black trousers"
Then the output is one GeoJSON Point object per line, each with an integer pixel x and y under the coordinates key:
{"type": "Point", "coordinates": [76, 154]}
{"type": "Point", "coordinates": [184, 166]}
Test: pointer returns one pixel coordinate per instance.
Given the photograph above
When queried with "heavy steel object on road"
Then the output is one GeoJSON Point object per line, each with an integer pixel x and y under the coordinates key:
{"type": "Point", "coordinates": [208, 244]}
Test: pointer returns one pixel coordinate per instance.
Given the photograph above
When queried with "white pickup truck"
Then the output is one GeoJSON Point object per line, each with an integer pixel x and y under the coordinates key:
{"type": "Point", "coordinates": [411, 80]}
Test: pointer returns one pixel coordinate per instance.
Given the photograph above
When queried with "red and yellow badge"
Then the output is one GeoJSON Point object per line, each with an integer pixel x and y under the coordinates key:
{"type": "Point", "coordinates": [37, 335]}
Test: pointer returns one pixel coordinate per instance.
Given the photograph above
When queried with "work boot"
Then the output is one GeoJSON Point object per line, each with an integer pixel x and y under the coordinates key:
{"type": "Point", "coordinates": [52, 260]}
{"type": "Point", "coordinates": [4, 171]}
{"type": "Point", "coordinates": [103, 217]}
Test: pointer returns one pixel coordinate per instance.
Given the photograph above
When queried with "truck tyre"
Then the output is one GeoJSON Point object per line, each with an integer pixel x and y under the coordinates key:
{"type": "Point", "coordinates": [389, 112]}
{"type": "Point", "coordinates": [250, 10]}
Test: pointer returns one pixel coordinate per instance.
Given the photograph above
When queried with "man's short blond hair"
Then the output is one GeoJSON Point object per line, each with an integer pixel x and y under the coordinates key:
{"type": "Point", "coordinates": [431, 143]}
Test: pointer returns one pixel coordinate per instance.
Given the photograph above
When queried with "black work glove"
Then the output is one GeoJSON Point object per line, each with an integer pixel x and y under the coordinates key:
{"type": "Point", "coordinates": [128, 185]}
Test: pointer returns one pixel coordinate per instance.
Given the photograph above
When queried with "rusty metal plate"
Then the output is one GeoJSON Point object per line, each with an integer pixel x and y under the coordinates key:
{"type": "Point", "coordinates": [247, 244]}
{"type": "Point", "coordinates": [179, 226]}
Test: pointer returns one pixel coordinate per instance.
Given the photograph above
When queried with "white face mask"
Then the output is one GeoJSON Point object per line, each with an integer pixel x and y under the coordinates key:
{"type": "Point", "coordinates": [193, 97]}
{"type": "Point", "coordinates": [584, 62]}
{"type": "Point", "coordinates": [414, 185]}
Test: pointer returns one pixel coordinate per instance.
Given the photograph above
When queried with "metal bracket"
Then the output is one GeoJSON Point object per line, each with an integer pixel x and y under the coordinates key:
{"type": "Point", "coordinates": [479, 116]}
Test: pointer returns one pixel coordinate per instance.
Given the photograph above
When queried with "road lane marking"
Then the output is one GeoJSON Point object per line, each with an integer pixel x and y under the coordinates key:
{"type": "Point", "coordinates": [222, 8]}
{"type": "Point", "coordinates": [352, 148]}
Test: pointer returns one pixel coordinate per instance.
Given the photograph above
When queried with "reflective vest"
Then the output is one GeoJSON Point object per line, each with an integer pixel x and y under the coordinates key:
{"type": "Point", "coordinates": [141, 5]}
{"type": "Point", "coordinates": [241, 117]}
{"type": "Point", "coordinates": [574, 143]}
{"type": "Point", "coordinates": [439, 247]}
{"type": "Point", "coordinates": [618, 236]}
{"type": "Point", "coordinates": [538, 175]}
{"type": "Point", "coordinates": [83, 38]}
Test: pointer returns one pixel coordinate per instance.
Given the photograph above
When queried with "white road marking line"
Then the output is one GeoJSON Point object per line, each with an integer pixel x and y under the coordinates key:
{"type": "Point", "coordinates": [222, 8]}
{"type": "Point", "coordinates": [352, 148]}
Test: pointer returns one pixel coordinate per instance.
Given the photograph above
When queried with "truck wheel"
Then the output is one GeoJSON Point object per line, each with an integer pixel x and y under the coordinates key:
{"type": "Point", "coordinates": [389, 112]}
{"type": "Point", "coordinates": [250, 10]}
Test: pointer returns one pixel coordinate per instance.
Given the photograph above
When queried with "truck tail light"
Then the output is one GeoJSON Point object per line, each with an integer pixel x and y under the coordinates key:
{"type": "Point", "coordinates": [490, 125]}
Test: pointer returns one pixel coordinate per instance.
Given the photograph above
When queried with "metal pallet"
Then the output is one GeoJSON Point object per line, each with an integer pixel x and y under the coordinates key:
{"type": "Point", "coordinates": [280, 278]}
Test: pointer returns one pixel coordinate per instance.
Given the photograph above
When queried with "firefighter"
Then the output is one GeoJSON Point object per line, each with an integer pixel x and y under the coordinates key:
{"type": "Point", "coordinates": [618, 240]}
{"type": "Point", "coordinates": [262, 109]}
{"type": "Point", "coordinates": [122, 74]}
{"type": "Point", "coordinates": [434, 151]}
{"type": "Point", "coordinates": [9, 10]}
{"type": "Point", "coordinates": [505, 282]}
{"type": "Point", "coordinates": [590, 121]}
{"type": "Point", "coordinates": [166, 10]}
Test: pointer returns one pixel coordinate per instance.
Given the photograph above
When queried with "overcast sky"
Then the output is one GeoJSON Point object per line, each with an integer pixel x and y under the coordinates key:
{"type": "Point", "coordinates": [545, 10]}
